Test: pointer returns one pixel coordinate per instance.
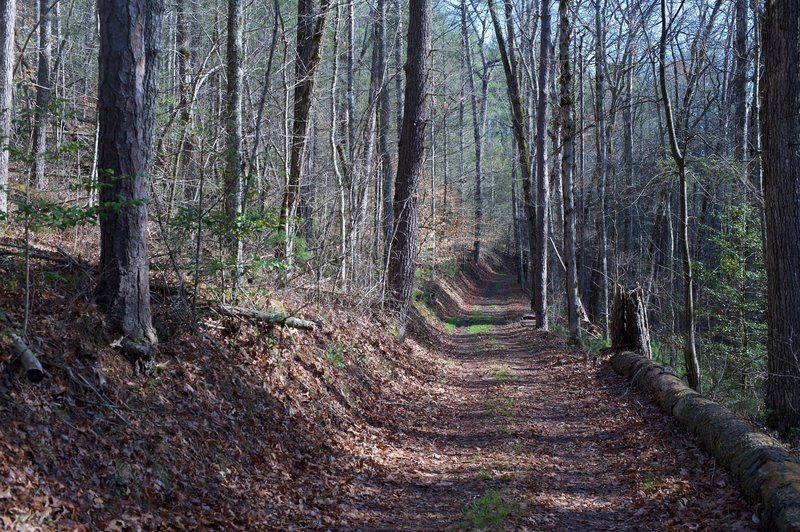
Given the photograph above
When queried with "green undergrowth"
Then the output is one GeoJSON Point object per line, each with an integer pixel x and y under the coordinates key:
{"type": "Point", "coordinates": [501, 373]}
{"type": "Point", "coordinates": [501, 406]}
{"type": "Point", "coordinates": [487, 512]}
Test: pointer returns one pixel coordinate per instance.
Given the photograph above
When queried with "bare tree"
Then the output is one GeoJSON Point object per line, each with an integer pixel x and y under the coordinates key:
{"type": "Point", "coordinates": [678, 143]}
{"type": "Point", "coordinates": [403, 256]}
{"type": "Point", "coordinates": [130, 32]}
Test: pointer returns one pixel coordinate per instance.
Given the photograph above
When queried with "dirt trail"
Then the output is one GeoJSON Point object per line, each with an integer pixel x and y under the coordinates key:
{"type": "Point", "coordinates": [529, 433]}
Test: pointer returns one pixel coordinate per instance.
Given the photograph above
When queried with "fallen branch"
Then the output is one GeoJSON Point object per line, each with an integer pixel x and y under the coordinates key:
{"type": "Point", "coordinates": [33, 369]}
{"type": "Point", "coordinates": [764, 470]}
{"type": "Point", "coordinates": [271, 317]}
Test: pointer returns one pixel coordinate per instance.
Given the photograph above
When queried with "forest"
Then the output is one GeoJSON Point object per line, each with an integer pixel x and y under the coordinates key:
{"type": "Point", "coordinates": [432, 264]}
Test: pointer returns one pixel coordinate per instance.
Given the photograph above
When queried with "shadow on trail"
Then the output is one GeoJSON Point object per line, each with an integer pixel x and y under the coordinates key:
{"type": "Point", "coordinates": [525, 414]}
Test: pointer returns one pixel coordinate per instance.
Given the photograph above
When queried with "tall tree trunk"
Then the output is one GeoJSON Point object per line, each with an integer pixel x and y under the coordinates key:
{"type": "Point", "coordinates": [567, 119]}
{"type": "Point", "coordinates": [234, 202]}
{"type": "Point", "coordinates": [519, 119]}
{"type": "Point", "coordinates": [8, 15]}
{"type": "Point", "coordinates": [740, 82]}
{"type": "Point", "coordinates": [126, 113]}
{"type": "Point", "coordinates": [602, 159]}
{"type": "Point", "coordinates": [678, 156]}
{"type": "Point", "coordinates": [384, 120]}
{"type": "Point", "coordinates": [310, 30]}
{"type": "Point", "coordinates": [780, 127]}
{"type": "Point", "coordinates": [43, 89]}
{"type": "Point", "coordinates": [542, 181]}
{"type": "Point", "coordinates": [402, 263]}
{"type": "Point", "coordinates": [627, 149]}
{"type": "Point", "coordinates": [476, 131]}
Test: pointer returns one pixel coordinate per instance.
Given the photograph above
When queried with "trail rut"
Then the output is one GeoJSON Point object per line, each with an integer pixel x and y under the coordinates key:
{"type": "Point", "coordinates": [541, 433]}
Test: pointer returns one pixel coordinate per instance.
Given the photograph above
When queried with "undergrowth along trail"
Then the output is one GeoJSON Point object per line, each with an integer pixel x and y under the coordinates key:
{"type": "Point", "coordinates": [530, 433]}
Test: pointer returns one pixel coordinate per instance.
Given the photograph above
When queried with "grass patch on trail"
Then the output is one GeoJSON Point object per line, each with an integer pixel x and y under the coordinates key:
{"type": "Point", "coordinates": [479, 328]}
{"type": "Point", "coordinates": [486, 512]}
{"type": "Point", "coordinates": [499, 406]}
{"type": "Point", "coordinates": [451, 324]}
{"type": "Point", "coordinates": [501, 373]}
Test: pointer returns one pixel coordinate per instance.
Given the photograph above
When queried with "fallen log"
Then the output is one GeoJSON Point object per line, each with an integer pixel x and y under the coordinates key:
{"type": "Point", "coordinates": [762, 467]}
{"type": "Point", "coordinates": [271, 317]}
{"type": "Point", "coordinates": [33, 369]}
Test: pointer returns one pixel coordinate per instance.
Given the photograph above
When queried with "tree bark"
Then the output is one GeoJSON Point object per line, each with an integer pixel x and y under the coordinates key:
{"type": "Point", "coordinates": [234, 203]}
{"type": "Point", "coordinates": [602, 161]}
{"type": "Point", "coordinates": [403, 258]}
{"type": "Point", "coordinates": [8, 15]}
{"type": "Point", "coordinates": [567, 119]}
{"type": "Point", "coordinates": [542, 181]}
{"type": "Point", "coordinates": [310, 30]}
{"type": "Point", "coordinates": [130, 34]}
{"type": "Point", "coordinates": [739, 95]}
{"type": "Point", "coordinates": [780, 128]}
{"type": "Point", "coordinates": [43, 90]}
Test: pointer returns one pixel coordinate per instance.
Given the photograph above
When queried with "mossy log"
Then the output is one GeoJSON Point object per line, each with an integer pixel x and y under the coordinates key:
{"type": "Point", "coordinates": [273, 318]}
{"type": "Point", "coordinates": [762, 467]}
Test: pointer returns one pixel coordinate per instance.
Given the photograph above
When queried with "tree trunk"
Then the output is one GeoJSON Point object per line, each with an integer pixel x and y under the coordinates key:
{"type": "Point", "coordinates": [310, 30]}
{"type": "Point", "coordinates": [477, 120]}
{"type": "Point", "coordinates": [780, 127]}
{"type": "Point", "coordinates": [126, 114]}
{"type": "Point", "coordinates": [519, 119]}
{"type": "Point", "coordinates": [402, 263]}
{"type": "Point", "coordinates": [8, 15]}
{"type": "Point", "coordinates": [234, 204]}
{"type": "Point", "coordinates": [679, 158]}
{"type": "Point", "coordinates": [567, 119]}
{"type": "Point", "coordinates": [602, 161]}
{"type": "Point", "coordinates": [43, 89]}
{"type": "Point", "coordinates": [384, 120]}
{"type": "Point", "coordinates": [542, 181]}
{"type": "Point", "coordinates": [740, 82]}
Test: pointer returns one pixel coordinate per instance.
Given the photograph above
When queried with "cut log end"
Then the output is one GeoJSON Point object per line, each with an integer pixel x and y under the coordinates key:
{"type": "Point", "coordinates": [33, 368]}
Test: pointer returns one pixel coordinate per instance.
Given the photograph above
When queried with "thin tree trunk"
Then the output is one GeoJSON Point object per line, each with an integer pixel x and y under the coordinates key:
{"type": "Point", "coordinates": [310, 31]}
{"type": "Point", "coordinates": [234, 205]}
{"type": "Point", "coordinates": [740, 82]}
{"type": "Point", "coordinates": [43, 90]}
{"type": "Point", "coordinates": [8, 15]}
{"type": "Point", "coordinates": [476, 132]}
{"type": "Point", "coordinates": [602, 160]}
{"type": "Point", "coordinates": [384, 120]}
{"type": "Point", "coordinates": [567, 119]}
{"type": "Point", "coordinates": [519, 120]}
{"type": "Point", "coordinates": [678, 156]}
{"type": "Point", "coordinates": [542, 181]}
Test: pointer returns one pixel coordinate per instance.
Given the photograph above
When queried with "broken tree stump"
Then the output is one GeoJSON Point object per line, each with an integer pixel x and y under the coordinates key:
{"type": "Point", "coordinates": [629, 327]}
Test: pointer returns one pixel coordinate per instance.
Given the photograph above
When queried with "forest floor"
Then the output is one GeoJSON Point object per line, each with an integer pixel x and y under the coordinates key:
{"type": "Point", "coordinates": [477, 422]}
{"type": "Point", "coordinates": [534, 434]}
